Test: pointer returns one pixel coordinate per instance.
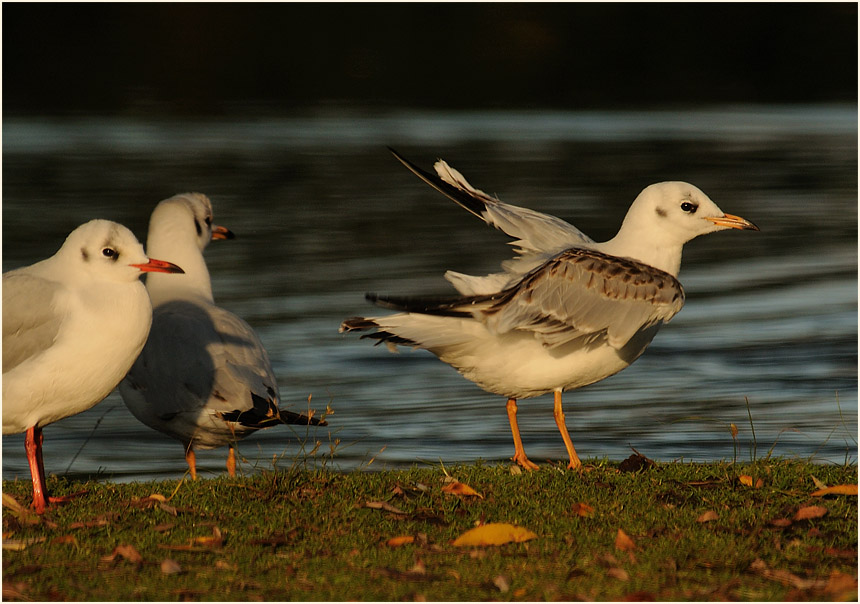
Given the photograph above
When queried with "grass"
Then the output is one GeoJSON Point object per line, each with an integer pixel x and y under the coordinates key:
{"type": "Point", "coordinates": [310, 535]}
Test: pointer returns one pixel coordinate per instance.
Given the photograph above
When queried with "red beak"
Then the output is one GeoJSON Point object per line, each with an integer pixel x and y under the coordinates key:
{"type": "Point", "coordinates": [158, 266]}
{"type": "Point", "coordinates": [219, 232]}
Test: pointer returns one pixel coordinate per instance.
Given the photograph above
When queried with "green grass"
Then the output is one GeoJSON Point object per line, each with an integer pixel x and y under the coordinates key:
{"type": "Point", "coordinates": [309, 535]}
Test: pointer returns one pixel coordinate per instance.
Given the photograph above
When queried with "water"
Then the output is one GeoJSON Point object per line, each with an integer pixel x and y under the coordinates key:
{"type": "Point", "coordinates": [323, 214]}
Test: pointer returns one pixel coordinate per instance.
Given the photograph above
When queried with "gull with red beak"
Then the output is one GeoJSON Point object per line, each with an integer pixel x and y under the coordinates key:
{"type": "Point", "coordinates": [567, 311]}
{"type": "Point", "coordinates": [72, 326]}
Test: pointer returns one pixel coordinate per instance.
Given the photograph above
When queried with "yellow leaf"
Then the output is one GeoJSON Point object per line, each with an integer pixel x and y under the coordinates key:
{"type": "Point", "coordinates": [158, 497]}
{"type": "Point", "coordinates": [582, 509]}
{"type": "Point", "coordinates": [463, 490]}
{"type": "Point", "coordinates": [811, 511]}
{"type": "Point", "coordinates": [494, 533]}
{"type": "Point", "coordinates": [734, 430]}
{"type": "Point", "coordinates": [839, 489]}
{"type": "Point", "coordinates": [398, 541]}
{"type": "Point", "coordinates": [746, 480]}
{"type": "Point", "coordinates": [624, 542]}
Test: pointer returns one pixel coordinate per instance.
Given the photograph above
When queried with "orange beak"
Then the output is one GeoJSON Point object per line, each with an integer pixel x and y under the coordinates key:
{"type": "Point", "coordinates": [219, 232]}
{"type": "Point", "coordinates": [731, 221]}
{"type": "Point", "coordinates": [158, 266]}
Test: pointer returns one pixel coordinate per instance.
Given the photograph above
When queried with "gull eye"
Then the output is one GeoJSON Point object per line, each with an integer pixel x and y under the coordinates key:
{"type": "Point", "coordinates": [111, 253]}
{"type": "Point", "coordinates": [689, 207]}
{"type": "Point", "coordinates": [209, 221]}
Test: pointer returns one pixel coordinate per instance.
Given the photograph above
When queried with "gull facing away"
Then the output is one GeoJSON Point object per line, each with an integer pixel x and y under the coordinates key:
{"type": "Point", "coordinates": [203, 377]}
{"type": "Point", "coordinates": [567, 311]}
{"type": "Point", "coordinates": [72, 326]}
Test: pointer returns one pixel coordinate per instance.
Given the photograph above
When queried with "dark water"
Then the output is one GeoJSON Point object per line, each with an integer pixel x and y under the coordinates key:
{"type": "Point", "coordinates": [323, 214]}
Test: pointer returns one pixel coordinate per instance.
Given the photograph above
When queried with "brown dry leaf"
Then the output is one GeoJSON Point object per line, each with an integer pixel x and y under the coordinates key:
{"type": "Point", "coordinates": [582, 509]}
{"type": "Point", "coordinates": [461, 489]}
{"type": "Point", "coordinates": [23, 514]}
{"type": "Point", "coordinates": [839, 489]}
{"type": "Point", "coordinates": [398, 541]}
{"type": "Point", "coordinates": [624, 542]}
{"type": "Point", "coordinates": [170, 567]}
{"type": "Point", "coordinates": [158, 497]}
{"type": "Point", "coordinates": [17, 545]}
{"type": "Point", "coordinates": [125, 551]}
{"type": "Point", "coordinates": [707, 516]}
{"type": "Point", "coordinates": [746, 480]}
{"type": "Point", "coordinates": [161, 528]}
{"type": "Point", "coordinates": [842, 586]}
{"type": "Point", "coordinates": [781, 522]}
{"type": "Point", "coordinates": [383, 505]}
{"type": "Point", "coordinates": [810, 511]}
{"type": "Point", "coordinates": [64, 539]}
{"type": "Point", "coordinates": [759, 483]}
{"type": "Point", "coordinates": [494, 533]}
{"type": "Point", "coordinates": [618, 573]}
{"type": "Point", "coordinates": [782, 576]}
{"type": "Point", "coordinates": [215, 540]}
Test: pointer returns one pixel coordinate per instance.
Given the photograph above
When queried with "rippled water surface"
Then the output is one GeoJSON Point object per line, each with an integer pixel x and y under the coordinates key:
{"type": "Point", "coordinates": [323, 214]}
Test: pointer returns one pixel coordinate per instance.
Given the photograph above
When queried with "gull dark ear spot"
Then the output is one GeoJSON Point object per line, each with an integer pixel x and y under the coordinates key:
{"type": "Point", "coordinates": [85, 254]}
{"type": "Point", "coordinates": [660, 212]}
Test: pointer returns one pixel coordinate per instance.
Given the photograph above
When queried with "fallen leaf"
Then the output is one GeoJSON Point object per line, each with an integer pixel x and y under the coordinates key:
{"type": "Point", "coordinates": [582, 509]}
{"type": "Point", "coordinates": [818, 483]}
{"type": "Point", "coordinates": [707, 516]}
{"type": "Point", "coordinates": [398, 541]}
{"type": "Point", "coordinates": [734, 429]}
{"type": "Point", "coordinates": [463, 490]}
{"type": "Point", "coordinates": [841, 585]}
{"type": "Point", "coordinates": [215, 540]}
{"type": "Point", "coordinates": [17, 545]}
{"type": "Point", "coordinates": [494, 533]}
{"type": "Point", "coordinates": [158, 497]}
{"type": "Point", "coordinates": [624, 542]}
{"type": "Point", "coordinates": [635, 462]}
{"type": "Point", "coordinates": [746, 480]}
{"type": "Point", "coordinates": [383, 505]}
{"type": "Point", "coordinates": [170, 567]}
{"type": "Point", "coordinates": [839, 489]}
{"type": "Point", "coordinates": [811, 511]}
{"type": "Point", "coordinates": [780, 522]}
{"type": "Point", "coordinates": [64, 539]}
{"type": "Point", "coordinates": [759, 483]}
{"type": "Point", "coordinates": [618, 573]}
{"type": "Point", "coordinates": [783, 576]}
{"type": "Point", "coordinates": [502, 583]}
{"type": "Point", "coordinates": [125, 551]}
{"type": "Point", "coordinates": [160, 528]}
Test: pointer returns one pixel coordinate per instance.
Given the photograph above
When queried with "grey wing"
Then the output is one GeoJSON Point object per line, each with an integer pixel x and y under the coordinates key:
{"type": "Point", "coordinates": [201, 357]}
{"type": "Point", "coordinates": [535, 232]}
{"type": "Point", "coordinates": [583, 293]}
{"type": "Point", "coordinates": [31, 318]}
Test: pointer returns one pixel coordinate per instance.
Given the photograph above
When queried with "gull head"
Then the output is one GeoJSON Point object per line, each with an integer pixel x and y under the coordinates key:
{"type": "Point", "coordinates": [677, 212]}
{"type": "Point", "coordinates": [663, 218]}
{"type": "Point", "coordinates": [186, 217]}
{"type": "Point", "coordinates": [107, 251]}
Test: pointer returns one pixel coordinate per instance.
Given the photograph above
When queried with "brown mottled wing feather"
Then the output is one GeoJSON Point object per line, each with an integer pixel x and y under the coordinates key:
{"type": "Point", "coordinates": [583, 293]}
{"type": "Point", "coordinates": [31, 320]}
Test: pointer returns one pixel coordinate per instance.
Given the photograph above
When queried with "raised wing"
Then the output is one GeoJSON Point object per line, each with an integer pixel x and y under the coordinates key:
{"type": "Point", "coordinates": [582, 293]}
{"type": "Point", "coordinates": [31, 319]}
{"type": "Point", "coordinates": [534, 232]}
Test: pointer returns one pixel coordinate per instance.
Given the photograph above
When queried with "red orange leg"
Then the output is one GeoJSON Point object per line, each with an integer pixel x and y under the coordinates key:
{"type": "Point", "coordinates": [559, 421]}
{"type": "Point", "coordinates": [231, 461]}
{"type": "Point", "coordinates": [33, 445]}
{"type": "Point", "coordinates": [519, 452]}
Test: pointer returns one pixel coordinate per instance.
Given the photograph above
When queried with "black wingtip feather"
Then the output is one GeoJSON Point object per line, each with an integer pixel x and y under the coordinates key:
{"type": "Point", "coordinates": [458, 196]}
